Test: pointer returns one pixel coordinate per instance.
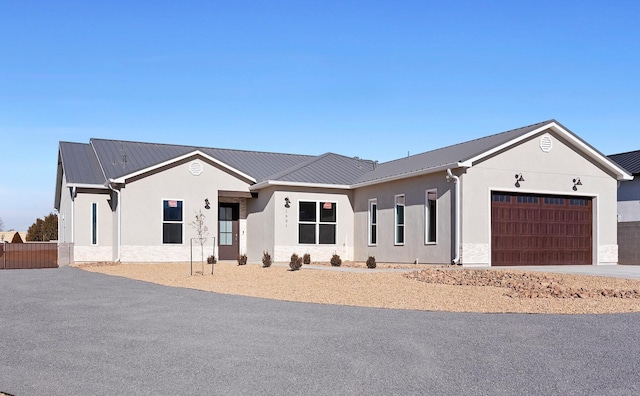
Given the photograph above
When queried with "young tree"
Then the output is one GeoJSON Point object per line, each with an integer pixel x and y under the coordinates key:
{"type": "Point", "coordinates": [202, 231]}
{"type": "Point", "coordinates": [44, 230]}
{"type": "Point", "coordinates": [1, 225]}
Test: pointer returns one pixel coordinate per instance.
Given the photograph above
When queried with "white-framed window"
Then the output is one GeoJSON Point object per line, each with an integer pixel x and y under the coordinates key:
{"type": "Point", "coordinates": [172, 221]}
{"type": "Point", "coordinates": [373, 222]}
{"type": "Point", "coordinates": [399, 223]}
{"type": "Point", "coordinates": [317, 222]}
{"type": "Point", "coordinates": [94, 223]}
{"type": "Point", "coordinates": [430, 216]}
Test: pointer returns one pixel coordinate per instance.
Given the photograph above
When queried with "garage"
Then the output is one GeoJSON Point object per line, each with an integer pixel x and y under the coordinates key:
{"type": "Point", "coordinates": [535, 229]}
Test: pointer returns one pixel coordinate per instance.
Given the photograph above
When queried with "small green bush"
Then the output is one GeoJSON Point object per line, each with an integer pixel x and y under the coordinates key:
{"type": "Point", "coordinates": [211, 259]}
{"type": "Point", "coordinates": [242, 259]}
{"type": "Point", "coordinates": [295, 263]}
{"type": "Point", "coordinates": [306, 259]}
{"type": "Point", "coordinates": [371, 262]}
{"type": "Point", "coordinates": [336, 261]}
{"type": "Point", "coordinates": [266, 259]}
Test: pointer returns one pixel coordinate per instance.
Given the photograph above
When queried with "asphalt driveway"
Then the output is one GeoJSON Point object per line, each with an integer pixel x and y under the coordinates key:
{"type": "Point", "coordinates": [69, 332]}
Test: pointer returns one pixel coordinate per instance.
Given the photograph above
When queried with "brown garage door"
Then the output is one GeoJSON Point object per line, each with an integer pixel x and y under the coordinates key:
{"type": "Point", "coordinates": [530, 229]}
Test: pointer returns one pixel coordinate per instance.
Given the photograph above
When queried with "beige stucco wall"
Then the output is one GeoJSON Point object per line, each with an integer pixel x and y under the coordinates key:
{"type": "Point", "coordinates": [280, 236]}
{"type": "Point", "coordinates": [65, 214]}
{"type": "Point", "coordinates": [84, 250]}
{"type": "Point", "coordinates": [141, 206]}
{"type": "Point", "coordinates": [260, 225]}
{"type": "Point", "coordinates": [544, 173]}
{"type": "Point", "coordinates": [414, 247]}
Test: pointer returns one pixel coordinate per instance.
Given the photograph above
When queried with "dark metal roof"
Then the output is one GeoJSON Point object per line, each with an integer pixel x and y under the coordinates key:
{"type": "Point", "coordinates": [328, 168]}
{"type": "Point", "coordinates": [80, 164]}
{"type": "Point", "coordinates": [446, 156]}
{"type": "Point", "coordinates": [629, 161]}
{"type": "Point", "coordinates": [121, 158]}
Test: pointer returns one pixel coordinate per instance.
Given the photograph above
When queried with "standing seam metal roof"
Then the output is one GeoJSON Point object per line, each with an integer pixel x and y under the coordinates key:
{"type": "Point", "coordinates": [80, 164]}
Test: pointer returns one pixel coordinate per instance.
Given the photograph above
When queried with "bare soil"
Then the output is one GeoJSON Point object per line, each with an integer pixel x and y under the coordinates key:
{"type": "Point", "coordinates": [430, 288]}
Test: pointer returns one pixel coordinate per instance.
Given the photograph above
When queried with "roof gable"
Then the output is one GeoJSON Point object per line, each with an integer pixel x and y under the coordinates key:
{"type": "Point", "coordinates": [123, 159]}
{"type": "Point", "coordinates": [468, 153]}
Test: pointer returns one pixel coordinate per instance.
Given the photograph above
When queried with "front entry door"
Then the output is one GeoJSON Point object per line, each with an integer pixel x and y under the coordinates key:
{"type": "Point", "coordinates": [228, 228]}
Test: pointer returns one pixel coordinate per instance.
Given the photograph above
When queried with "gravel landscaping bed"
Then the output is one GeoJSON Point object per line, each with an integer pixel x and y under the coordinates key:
{"type": "Point", "coordinates": [435, 288]}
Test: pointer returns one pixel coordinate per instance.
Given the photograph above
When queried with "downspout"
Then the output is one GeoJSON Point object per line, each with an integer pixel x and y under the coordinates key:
{"type": "Point", "coordinates": [456, 244]}
{"type": "Point", "coordinates": [110, 185]}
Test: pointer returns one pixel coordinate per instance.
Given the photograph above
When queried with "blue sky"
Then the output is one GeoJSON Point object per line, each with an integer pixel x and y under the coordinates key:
{"type": "Point", "coordinates": [367, 78]}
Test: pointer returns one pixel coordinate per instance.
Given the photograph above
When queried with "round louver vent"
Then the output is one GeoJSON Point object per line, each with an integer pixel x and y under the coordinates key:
{"type": "Point", "coordinates": [195, 168]}
{"type": "Point", "coordinates": [546, 143]}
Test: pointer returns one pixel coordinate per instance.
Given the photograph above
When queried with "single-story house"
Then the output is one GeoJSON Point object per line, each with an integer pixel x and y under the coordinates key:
{"type": "Point", "coordinates": [629, 209]}
{"type": "Point", "coordinates": [533, 195]}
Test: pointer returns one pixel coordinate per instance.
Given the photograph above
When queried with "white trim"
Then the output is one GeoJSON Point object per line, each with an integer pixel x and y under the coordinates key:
{"type": "Point", "coordinates": [85, 185]}
{"type": "Point", "coordinates": [372, 201]}
{"type": "Point", "coordinates": [267, 183]}
{"type": "Point", "coordinates": [122, 179]}
{"type": "Point", "coordinates": [599, 158]}
{"type": "Point", "coordinates": [162, 221]}
{"type": "Point", "coordinates": [437, 169]}
{"type": "Point", "coordinates": [395, 219]}
{"type": "Point", "coordinates": [427, 216]}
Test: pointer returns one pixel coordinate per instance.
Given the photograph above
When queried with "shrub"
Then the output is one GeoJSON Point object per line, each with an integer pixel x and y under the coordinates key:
{"type": "Point", "coordinates": [336, 261]}
{"type": "Point", "coordinates": [295, 263]}
{"type": "Point", "coordinates": [242, 259]}
{"type": "Point", "coordinates": [306, 259]}
{"type": "Point", "coordinates": [371, 262]}
{"type": "Point", "coordinates": [211, 260]}
{"type": "Point", "coordinates": [266, 259]}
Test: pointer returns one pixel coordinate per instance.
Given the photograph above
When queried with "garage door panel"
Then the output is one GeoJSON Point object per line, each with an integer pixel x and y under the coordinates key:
{"type": "Point", "coordinates": [530, 229]}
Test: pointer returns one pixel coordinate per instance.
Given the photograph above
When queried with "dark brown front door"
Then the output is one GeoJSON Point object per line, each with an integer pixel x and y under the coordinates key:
{"type": "Point", "coordinates": [532, 229]}
{"type": "Point", "coordinates": [228, 229]}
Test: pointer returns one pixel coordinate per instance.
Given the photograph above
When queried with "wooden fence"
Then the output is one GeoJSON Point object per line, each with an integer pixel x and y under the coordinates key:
{"type": "Point", "coordinates": [29, 255]}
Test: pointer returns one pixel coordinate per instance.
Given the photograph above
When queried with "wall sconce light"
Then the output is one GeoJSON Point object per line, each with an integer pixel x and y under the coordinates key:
{"type": "Point", "coordinates": [287, 202]}
{"type": "Point", "coordinates": [519, 179]}
{"type": "Point", "coordinates": [576, 183]}
{"type": "Point", "coordinates": [206, 203]}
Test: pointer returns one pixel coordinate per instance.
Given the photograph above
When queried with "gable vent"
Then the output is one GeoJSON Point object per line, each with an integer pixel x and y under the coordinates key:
{"type": "Point", "coordinates": [195, 168]}
{"type": "Point", "coordinates": [546, 144]}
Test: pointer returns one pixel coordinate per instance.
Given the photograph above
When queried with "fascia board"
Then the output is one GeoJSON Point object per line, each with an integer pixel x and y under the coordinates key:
{"type": "Point", "coordinates": [86, 185]}
{"type": "Point", "coordinates": [590, 152]}
{"type": "Point", "coordinates": [297, 184]}
{"type": "Point", "coordinates": [412, 174]}
{"type": "Point", "coordinates": [122, 179]}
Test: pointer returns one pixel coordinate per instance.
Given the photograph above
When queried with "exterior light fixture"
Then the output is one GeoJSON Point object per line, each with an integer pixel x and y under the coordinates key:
{"type": "Point", "coordinates": [206, 203]}
{"type": "Point", "coordinates": [576, 183]}
{"type": "Point", "coordinates": [519, 179]}
{"type": "Point", "coordinates": [287, 202]}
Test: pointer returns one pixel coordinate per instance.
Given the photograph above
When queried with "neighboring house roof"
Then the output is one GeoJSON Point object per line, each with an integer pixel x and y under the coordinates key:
{"type": "Point", "coordinates": [103, 161]}
{"type": "Point", "coordinates": [9, 235]}
{"type": "Point", "coordinates": [629, 161]}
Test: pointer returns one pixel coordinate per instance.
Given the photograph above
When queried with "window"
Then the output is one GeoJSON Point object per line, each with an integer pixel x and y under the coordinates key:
{"type": "Point", "coordinates": [431, 216]}
{"type": "Point", "coordinates": [373, 222]}
{"type": "Point", "coordinates": [400, 219]}
{"type": "Point", "coordinates": [172, 222]}
{"type": "Point", "coordinates": [317, 223]}
{"type": "Point", "coordinates": [94, 223]}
